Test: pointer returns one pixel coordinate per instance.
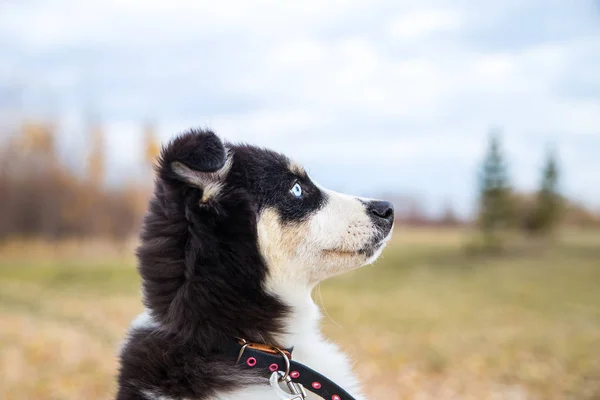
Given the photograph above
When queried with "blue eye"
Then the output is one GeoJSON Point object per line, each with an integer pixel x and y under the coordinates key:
{"type": "Point", "coordinates": [296, 190]}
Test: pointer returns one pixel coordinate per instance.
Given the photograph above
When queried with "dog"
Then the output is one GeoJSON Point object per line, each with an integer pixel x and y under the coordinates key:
{"type": "Point", "coordinates": [234, 240]}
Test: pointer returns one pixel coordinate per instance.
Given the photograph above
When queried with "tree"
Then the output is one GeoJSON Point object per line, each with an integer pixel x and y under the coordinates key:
{"type": "Point", "coordinates": [495, 208]}
{"type": "Point", "coordinates": [548, 201]}
{"type": "Point", "coordinates": [96, 161]}
{"type": "Point", "coordinates": [449, 217]}
{"type": "Point", "coordinates": [38, 138]}
{"type": "Point", "coordinates": [151, 144]}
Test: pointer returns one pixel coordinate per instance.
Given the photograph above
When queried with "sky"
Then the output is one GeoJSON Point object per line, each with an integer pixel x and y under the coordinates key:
{"type": "Point", "coordinates": [373, 97]}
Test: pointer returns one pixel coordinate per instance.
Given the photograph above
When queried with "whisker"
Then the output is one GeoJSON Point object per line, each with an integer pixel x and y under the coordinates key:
{"type": "Point", "coordinates": [325, 310]}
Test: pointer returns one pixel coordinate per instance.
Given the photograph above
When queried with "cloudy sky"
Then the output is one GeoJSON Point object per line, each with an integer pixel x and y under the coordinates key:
{"type": "Point", "coordinates": [372, 96]}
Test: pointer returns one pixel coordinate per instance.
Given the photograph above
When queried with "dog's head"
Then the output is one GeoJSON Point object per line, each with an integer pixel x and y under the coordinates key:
{"type": "Point", "coordinates": [305, 232]}
{"type": "Point", "coordinates": [252, 217]}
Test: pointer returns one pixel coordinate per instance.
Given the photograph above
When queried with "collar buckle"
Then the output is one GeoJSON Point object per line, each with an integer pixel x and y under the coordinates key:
{"type": "Point", "coordinates": [266, 348]}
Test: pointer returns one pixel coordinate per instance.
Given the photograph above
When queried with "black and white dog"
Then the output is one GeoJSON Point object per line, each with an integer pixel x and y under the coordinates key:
{"type": "Point", "coordinates": [235, 239]}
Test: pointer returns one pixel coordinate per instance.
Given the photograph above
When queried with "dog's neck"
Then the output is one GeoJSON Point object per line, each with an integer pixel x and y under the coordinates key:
{"type": "Point", "coordinates": [310, 347]}
{"type": "Point", "coordinates": [303, 318]}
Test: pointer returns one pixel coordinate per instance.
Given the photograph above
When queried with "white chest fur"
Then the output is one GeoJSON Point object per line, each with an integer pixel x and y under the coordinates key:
{"type": "Point", "coordinates": [310, 348]}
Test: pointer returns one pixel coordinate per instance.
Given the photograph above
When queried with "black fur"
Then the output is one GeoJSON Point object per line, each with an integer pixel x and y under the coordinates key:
{"type": "Point", "coordinates": [267, 176]}
{"type": "Point", "coordinates": [201, 269]}
{"type": "Point", "coordinates": [199, 150]}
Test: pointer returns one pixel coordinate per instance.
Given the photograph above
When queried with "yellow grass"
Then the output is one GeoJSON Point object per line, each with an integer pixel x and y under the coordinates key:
{"type": "Point", "coordinates": [425, 322]}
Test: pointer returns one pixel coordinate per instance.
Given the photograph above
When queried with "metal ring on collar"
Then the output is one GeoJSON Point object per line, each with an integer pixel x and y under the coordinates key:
{"type": "Point", "coordinates": [287, 364]}
{"type": "Point", "coordinates": [245, 344]}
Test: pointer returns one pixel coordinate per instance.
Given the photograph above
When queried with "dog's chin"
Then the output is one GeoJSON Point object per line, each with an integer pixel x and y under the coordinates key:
{"type": "Point", "coordinates": [342, 260]}
{"type": "Point", "coordinates": [377, 248]}
{"type": "Point", "coordinates": [342, 252]}
{"type": "Point", "coordinates": [366, 252]}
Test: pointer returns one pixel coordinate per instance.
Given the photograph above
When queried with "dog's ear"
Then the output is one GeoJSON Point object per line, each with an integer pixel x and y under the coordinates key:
{"type": "Point", "coordinates": [197, 158]}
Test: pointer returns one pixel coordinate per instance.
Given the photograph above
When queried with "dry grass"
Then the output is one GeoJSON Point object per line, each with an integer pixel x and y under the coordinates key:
{"type": "Point", "coordinates": [19, 250]}
{"type": "Point", "coordinates": [425, 322]}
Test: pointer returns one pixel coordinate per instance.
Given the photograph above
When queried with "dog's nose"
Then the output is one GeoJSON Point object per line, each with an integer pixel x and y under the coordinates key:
{"type": "Point", "coordinates": [382, 210]}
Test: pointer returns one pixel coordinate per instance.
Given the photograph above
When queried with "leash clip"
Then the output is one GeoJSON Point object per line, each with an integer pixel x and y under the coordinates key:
{"type": "Point", "coordinates": [297, 391]}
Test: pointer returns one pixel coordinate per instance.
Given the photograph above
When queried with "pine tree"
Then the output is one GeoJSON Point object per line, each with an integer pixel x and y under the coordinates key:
{"type": "Point", "coordinates": [548, 202]}
{"type": "Point", "coordinates": [495, 209]}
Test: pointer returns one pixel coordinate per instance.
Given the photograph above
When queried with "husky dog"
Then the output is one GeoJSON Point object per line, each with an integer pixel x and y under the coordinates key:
{"type": "Point", "coordinates": [234, 240]}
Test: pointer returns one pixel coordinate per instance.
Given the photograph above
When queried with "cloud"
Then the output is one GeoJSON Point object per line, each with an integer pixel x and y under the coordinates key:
{"type": "Point", "coordinates": [417, 24]}
{"type": "Point", "coordinates": [377, 96]}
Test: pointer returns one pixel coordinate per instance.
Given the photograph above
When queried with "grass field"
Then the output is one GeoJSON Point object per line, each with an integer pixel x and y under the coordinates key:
{"type": "Point", "coordinates": [427, 321]}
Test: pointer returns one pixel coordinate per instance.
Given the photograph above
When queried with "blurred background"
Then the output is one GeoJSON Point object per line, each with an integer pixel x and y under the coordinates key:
{"type": "Point", "coordinates": [479, 120]}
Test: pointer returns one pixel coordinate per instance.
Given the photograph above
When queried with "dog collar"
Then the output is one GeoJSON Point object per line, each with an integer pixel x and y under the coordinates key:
{"type": "Point", "coordinates": [267, 360]}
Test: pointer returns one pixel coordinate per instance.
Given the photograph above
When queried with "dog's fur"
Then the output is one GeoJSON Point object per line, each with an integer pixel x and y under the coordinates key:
{"type": "Point", "coordinates": [234, 241]}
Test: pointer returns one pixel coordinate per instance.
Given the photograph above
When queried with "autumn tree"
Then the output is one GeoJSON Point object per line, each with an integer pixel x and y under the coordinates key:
{"type": "Point", "coordinates": [37, 138]}
{"type": "Point", "coordinates": [151, 144]}
{"type": "Point", "coordinates": [96, 159]}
